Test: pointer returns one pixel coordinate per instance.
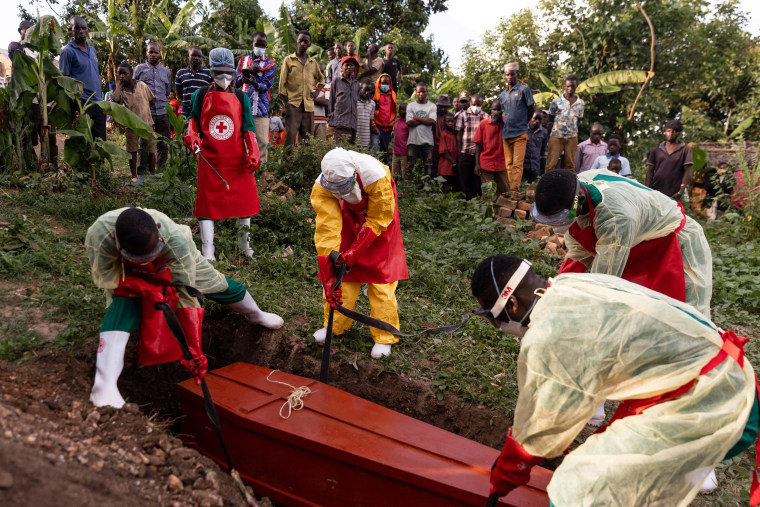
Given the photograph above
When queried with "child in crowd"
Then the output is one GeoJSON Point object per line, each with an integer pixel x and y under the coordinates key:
{"type": "Point", "coordinates": [351, 55]}
{"type": "Point", "coordinates": [447, 150]}
{"type": "Point", "coordinates": [344, 97]}
{"type": "Point", "coordinates": [535, 148]}
{"type": "Point", "coordinates": [365, 114]}
{"type": "Point", "coordinates": [421, 116]}
{"type": "Point", "coordinates": [489, 149]}
{"type": "Point", "coordinates": [615, 166]}
{"type": "Point", "coordinates": [400, 136]}
{"type": "Point", "coordinates": [321, 102]}
{"type": "Point", "coordinates": [176, 106]}
{"type": "Point", "coordinates": [385, 114]}
{"type": "Point", "coordinates": [138, 98]}
{"type": "Point", "coordinates": [614, 144]}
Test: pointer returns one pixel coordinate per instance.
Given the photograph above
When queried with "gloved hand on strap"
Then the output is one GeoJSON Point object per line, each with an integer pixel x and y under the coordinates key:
{"type": "Point", "coordinates": [512, 468]}
{"type": "Point", "coordinates": [197, 367]}
{"type": "Point", "coordinates": [254, 158]}
{"type": "Point", "coordinates": [192, 139]}
{"type": "Point", "coordinates": [363, 240]}
{"type": "Point", "coordinates": [327, 275]}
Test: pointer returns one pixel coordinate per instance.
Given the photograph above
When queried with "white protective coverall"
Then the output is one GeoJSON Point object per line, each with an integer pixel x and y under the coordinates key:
{"type": "Point", "coordinates": [630, 213]}
{"type": "Point", "coordinates": [594, 337]}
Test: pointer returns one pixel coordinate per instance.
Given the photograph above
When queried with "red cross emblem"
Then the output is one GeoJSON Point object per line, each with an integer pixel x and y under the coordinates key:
{"type": "Point", "coordinates": [221, 127]}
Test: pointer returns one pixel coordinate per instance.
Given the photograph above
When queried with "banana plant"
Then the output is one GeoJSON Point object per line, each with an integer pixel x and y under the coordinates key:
{"type": "Point", "coordinates": [169, 34]}
{"type": "Point", "coordinates": [607, 82]}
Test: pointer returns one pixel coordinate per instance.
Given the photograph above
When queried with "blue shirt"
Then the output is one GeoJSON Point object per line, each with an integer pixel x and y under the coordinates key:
{"type": "Point", "coordinates": [83, 66]}
{"type": "Point", "coordinates": [515, 107]}
{"type": "Point", "coordinates": [603, 161]}
{"type": "Point", "coordinates": [534, 149]}
{"type": "Point", "coordinates": [158, 78]}
{"type": "Point", "coordinates": [258, 92]}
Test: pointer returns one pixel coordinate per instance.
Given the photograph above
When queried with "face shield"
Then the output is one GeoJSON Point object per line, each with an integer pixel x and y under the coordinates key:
{"type": "Point", "coordinates": [145, 258]}
{"type": "Point", "coordinates": [560, 220]}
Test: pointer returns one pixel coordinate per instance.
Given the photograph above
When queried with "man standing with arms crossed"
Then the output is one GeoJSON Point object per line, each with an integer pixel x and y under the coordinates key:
{"type": "Point", "coordinates": [517, 106]}
{"type": "Point", "coordinates": [158, 78]}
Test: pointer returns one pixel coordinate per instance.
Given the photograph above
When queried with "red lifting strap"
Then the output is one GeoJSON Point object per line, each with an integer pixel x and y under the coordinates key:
{"type": "Point", "coordinates": [733, 347]}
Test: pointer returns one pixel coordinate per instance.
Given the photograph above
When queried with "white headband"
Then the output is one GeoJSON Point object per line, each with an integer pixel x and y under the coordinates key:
{"type": "Point", "coordinates": [509, 289]}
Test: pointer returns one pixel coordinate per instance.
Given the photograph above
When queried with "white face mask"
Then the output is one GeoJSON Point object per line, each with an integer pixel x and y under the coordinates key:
{"type": "Point", "coordinates": [562, 229]}
{"type": "Point", "coordinates": [514, 328]}
{"type": "Point", "coordinates": [475, 109]}
{"type": "Point", "coordinates": [223, 81]}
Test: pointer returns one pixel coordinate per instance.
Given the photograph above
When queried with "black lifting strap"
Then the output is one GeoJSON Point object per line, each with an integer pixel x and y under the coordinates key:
{"type": "Point", "coordinates": [384, 326]}
{"type": "Point", "coordinates": [179, 334]}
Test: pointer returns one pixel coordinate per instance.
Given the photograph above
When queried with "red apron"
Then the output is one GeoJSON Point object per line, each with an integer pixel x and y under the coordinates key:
{"type": "Point", "coordinates": [384, 261]}
{"type": "Point", "coordinates": [151, 282]}
{"type": "Point", "coordinates": [222, 146]}
{"type": "Point", "coordinates": [656, 264]}
{"type": "Point", "coordinates": [733, 347]}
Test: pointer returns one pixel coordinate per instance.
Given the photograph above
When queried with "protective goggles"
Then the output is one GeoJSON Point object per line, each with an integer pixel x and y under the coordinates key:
{"type": "Point", "coordinates": [560, 218]}
{"type": "Point", "coordinates": [492, 314]}
{"type": "Point", "coordinates": [143, 258]}
{"type": "Point", "coordinates": [340, 188]}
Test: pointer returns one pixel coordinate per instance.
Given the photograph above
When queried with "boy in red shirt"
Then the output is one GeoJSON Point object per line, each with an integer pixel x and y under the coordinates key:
{"type": "Point", "coordinates": [447, 149]}
{"type": "Point", "coordinates": [400, 137]}
{"type": "Point", "coordinates": [489, 152]}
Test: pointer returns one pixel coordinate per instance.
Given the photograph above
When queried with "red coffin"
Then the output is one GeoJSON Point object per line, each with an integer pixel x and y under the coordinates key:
{"type": "Point", "coordinates": [339, 449]}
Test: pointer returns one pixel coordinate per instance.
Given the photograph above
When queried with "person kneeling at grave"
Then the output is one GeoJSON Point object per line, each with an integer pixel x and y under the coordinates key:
{"type": "Point", "coordinates": [357, 215]}
{"type": "Point", "coordinates": [686, 390]}
{"type": "Point", "coordinates": [141, 257]}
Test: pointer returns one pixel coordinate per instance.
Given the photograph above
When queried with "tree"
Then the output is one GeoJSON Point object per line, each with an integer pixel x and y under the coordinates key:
{"type": "Point", "coordinates": [399, 21]}
{"type": "Point", "coordinates": [519, 38]}
{"type": "Point", "coordinates": [226, 15]}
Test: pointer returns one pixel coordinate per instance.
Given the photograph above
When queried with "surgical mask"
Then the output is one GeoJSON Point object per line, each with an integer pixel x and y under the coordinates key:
{"type": "Point", "coordinates": [259, 51]}
{"type": "Point", "coordinates": [223, 81]}
{"type": "Point", "coordinates": [561, 229]}
{"type": "Point", "coordinates": [475, 109]}
{"type": "Point", "coordinates": [384, 88]}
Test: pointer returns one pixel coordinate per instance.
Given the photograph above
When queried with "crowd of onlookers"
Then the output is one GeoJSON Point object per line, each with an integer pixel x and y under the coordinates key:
{"type": "Point", "coordinates": [353, 100]}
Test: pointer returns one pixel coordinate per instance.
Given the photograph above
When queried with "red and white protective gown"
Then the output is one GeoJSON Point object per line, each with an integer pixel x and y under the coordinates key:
{"type": "Point", "coordinates": [223, 148]}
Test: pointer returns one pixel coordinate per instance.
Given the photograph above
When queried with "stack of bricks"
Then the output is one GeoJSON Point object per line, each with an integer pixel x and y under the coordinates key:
{"type": "Point", "coordinates": [516, 205]}
{"type": "Point", "coordinates": [269, 182]}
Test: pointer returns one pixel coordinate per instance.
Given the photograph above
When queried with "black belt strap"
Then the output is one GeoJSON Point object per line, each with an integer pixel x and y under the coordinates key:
{"type": "Point", "coordinates": [179, 334]}
{"type": "Point", "coordinates": [384, 326]}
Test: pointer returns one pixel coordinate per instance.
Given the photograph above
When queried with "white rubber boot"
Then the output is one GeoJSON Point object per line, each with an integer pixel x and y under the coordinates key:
{"type": "Point", "coordinates": [598, 418]}
{"type": "Point", "coordinates": [207, 239]}
{"type": "Point", "coordinates": [320, 335]}
{"type": "Point", "coordinates": [381, 350]}
{"type": "Point", "coordinates": [244, 225]}
{"type": "Point", "coordinates": [251, 311]}
{"type": "Point", "coordinates": [709, 484]}
{"type": "Point", "coordinates": [108, 367]}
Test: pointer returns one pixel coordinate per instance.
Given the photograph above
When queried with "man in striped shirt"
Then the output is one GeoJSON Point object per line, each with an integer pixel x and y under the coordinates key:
{"type": "Point", "coordinates": [365, 107]}
{"type": "Point", "coordinates": [255, 76]}
{"type": "Point", "coordinates": [192, 77]}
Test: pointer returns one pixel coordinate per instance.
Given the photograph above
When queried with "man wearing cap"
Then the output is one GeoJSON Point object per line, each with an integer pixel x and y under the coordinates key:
{"type": "Point", "coordinates": [669, 164]}
{"type": "Point", "coordinates": [517, 107]}
{"type": "Point", "coordinates": [687, 393]}
{"type": "Point", "coordinates": [357, 215]}
{"type": "Point", "coordinates": [220, 129]}
{"type": "Point", "coordinates": [140, 257]}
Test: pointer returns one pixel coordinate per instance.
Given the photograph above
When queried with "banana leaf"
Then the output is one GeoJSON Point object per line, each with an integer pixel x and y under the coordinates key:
{"type": "Point", "coordinates": [43, 36]}
{"type": "Point", "coordinates": [124, 116]}
{"type": "Point", "coordinates": [548, 83]}
{"type": "Point", "coordinates": [613, 78]}
{"type": "Point", "coordinates": [700, 158]}
{"type": "Point", "coordinates": [543, 97]}
{"type": "Point", "coordinates": [739, 130]}
{"type": "Point", "coordinates": [601, 89]}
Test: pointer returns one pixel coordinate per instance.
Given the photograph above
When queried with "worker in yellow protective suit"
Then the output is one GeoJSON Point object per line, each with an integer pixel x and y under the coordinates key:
{"type": "Point", "coordinates": [687, 393]}
{"type": "Point", "coordinates": [357, 215]}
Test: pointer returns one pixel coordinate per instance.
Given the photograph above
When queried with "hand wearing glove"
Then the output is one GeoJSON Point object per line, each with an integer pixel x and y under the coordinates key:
{"type": "Point", "coordinates": [363, 240]}
{"type": "Point", "coordinates": [512, 468]}
{"type": "Point", "coordinates": [254, 158]}
{"type": "Point", "coordinates": [192, 140]}
{"type": "Point", "coordinates": [196, 366]}
{"type": "Point", "coordinates": [327, 275]}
